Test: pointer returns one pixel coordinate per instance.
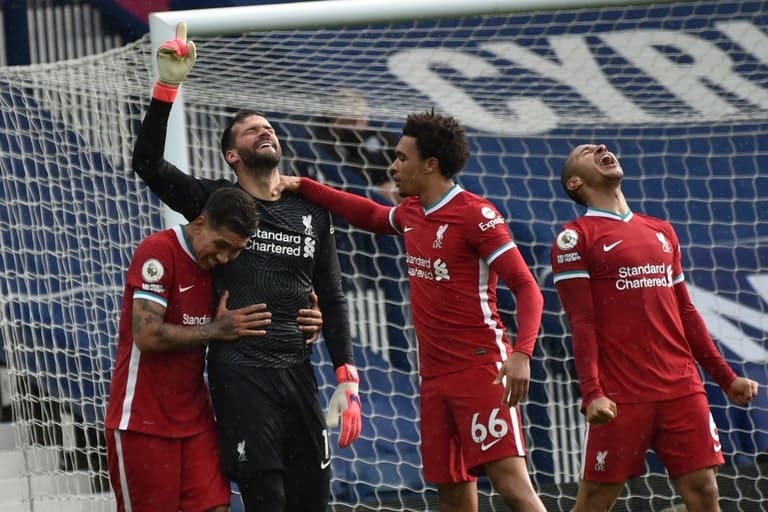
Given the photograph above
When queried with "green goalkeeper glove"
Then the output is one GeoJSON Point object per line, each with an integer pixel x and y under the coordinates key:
{"type": "Point", "coordinates": [175, 59]}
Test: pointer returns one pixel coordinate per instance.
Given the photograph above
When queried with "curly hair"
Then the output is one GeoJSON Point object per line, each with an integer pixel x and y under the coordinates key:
{"type": "Point", "coordinates": [234, 209]}
{"type": "Point", "coordinates": [441, 137]}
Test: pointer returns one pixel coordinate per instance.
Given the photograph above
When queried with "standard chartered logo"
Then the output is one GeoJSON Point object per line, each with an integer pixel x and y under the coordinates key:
{"type": "Point", "coordinates": [309, 247]}
{"type": "Point", "coordinates": [425, 268]}
{"type": "Point", "coordinates": [195, 320]}
{"type": "Point", "coordinates": [276, 242]}
{"type": "Point", "coordinates": [645, 276]}
{"type": "Point", "coordinates": [441, 270]}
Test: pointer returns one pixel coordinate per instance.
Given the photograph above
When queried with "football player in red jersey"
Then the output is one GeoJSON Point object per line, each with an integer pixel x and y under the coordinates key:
{"type": "Point", "coordinates": [457, 247]}
{"type": "Point", "coordinates": [161, 436]}
{"type": "Point", "coordinates": [636, 339]}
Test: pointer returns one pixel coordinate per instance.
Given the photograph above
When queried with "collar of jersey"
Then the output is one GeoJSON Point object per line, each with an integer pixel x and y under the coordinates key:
{"type": "Point", "coordinates": [452, 192]}
{"type": "Point", "coordinates": [183, 242]}
{"type": "Point", "coordinates": [597, 212]}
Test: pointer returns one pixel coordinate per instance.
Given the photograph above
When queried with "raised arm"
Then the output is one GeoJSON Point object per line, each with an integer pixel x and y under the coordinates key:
{"type": "Point", "coordinates": [180, 191]}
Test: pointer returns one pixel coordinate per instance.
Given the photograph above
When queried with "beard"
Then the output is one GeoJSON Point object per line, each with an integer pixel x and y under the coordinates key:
{"type": "Point", "coordinates": [261, 162]}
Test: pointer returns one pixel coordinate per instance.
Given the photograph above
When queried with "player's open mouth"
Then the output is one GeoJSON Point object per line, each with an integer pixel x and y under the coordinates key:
{"type": "Point", "coordinates": [607, 160]}
{"type": "Point", "coordinates": [263, 145]}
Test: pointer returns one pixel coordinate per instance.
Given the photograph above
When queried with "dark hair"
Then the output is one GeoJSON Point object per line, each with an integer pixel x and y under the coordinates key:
{"type": "Point", "coordinates": [565, 175]}
{"type": "Point", "coordinates": [227, 141]}
{"type": "Point", "coordinates": [234, 209]}
{"type": "Point", "coordinates": [441, 137]}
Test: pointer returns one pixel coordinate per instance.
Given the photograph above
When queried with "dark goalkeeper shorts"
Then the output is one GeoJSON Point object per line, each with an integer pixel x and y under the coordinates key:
{"type": "Point", "coordinates": [269, 419]}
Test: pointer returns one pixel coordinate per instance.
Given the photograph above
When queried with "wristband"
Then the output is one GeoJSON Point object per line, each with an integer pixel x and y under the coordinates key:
{"type": "Point", "coordinates": [164, 92]}
{"type": "Point", "coordinates": [347, 373]}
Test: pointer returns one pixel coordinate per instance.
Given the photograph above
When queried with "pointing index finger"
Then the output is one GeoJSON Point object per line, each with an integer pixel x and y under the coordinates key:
{"type": "Point", "coordinates": [181, 31]}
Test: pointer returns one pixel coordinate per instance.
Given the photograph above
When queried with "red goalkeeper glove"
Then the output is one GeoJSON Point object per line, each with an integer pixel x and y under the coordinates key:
{"type": "Point", "coordinates": [175, 59]}
{"type": "Point", "coordinates": [345, 405]}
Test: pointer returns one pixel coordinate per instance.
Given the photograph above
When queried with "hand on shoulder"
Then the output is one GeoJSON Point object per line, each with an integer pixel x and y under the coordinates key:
{"type": "Point", "coordinates": [286, 183]}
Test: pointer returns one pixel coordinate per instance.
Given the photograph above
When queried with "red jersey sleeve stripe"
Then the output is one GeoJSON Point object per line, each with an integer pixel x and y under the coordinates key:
{"type": "Point", "coordinates": [574, 274]}
{"type": "Point", "coordinates": [501, 250]}
{"type": "Point", "coordinates": [141, 294]}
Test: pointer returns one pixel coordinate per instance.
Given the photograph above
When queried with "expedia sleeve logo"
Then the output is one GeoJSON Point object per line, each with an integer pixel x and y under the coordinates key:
{"type": "Point", "coordinates": [494, 219]}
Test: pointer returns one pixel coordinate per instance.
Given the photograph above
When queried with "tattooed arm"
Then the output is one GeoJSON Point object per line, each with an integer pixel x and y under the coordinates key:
{"type": "Point", "coordinates": [152, 333]}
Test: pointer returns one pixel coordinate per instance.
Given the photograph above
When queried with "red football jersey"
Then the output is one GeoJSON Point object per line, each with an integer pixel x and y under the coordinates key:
{"type": "Point", "coordinates": [163, 393]}
{"type": "Point", "coordinates": [632, 263]}
{"type": "Point", "coordinates": [449, 247]}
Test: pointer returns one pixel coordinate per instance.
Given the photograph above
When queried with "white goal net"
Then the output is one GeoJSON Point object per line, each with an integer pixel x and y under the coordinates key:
{"type": "Point", "coordinates": [678, 91]}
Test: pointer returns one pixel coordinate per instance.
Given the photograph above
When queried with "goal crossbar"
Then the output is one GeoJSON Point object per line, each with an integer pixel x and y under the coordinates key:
{"type": "Point", "coordinates": [330, 13]}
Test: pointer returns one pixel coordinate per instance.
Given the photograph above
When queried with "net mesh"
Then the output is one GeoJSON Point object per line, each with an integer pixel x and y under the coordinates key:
{"type": "Point", "coordinates": [677, 91]}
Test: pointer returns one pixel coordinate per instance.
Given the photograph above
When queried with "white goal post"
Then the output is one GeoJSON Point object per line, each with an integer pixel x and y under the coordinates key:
{"type": "Point", "coordinates": [677, 89]}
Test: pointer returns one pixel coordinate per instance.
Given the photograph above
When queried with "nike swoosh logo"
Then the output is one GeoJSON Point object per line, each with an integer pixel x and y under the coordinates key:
{"type": "Point", "coordinates": [607, 248]}
{"type": "Point", "coordinates": [484, 447]}
{"type": "Point", "coordinates": [324, 464]}
{"type": "Point", "coordinates": [407, 229]}
{"type": "Point", "coordinates": [183, 289]}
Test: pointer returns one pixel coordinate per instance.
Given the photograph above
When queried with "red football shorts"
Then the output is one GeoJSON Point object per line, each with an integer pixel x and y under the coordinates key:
{"type": "Point", "coordinates": [161, 474]}
{"type": "Point", "coordinates": [464, 425]}
{"type": "Point", "coordinates": [682, 432]}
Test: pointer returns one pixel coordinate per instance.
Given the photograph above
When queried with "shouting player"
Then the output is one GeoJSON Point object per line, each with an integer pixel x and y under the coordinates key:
{"type": "Point", "coordinates": [457, 246]}
{"type": "Point", "coordinates": [636, 339]}
{"type": "Point", "coordinates": [273, 435]}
